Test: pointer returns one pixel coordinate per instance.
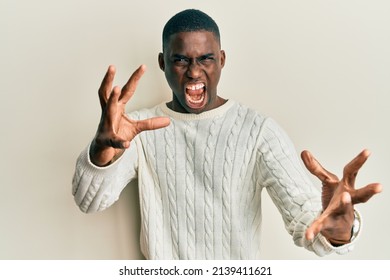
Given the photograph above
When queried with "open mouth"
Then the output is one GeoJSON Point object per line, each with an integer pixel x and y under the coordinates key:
{"type": "Point", "coordinates": [195, 95]}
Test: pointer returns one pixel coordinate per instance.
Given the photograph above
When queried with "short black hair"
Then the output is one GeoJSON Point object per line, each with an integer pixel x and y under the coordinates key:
{"type": "Point", "coordinates": [189, 20]}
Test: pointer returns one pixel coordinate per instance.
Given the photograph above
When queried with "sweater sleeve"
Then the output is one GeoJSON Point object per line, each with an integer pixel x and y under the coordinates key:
{"type": "Point", "coordinates": [96, 188]}
{"type": "Point", "coordinates": [291, 190]}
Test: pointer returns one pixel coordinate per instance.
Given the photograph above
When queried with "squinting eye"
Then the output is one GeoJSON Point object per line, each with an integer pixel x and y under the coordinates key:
{"type": "Point", "coordinates": [206, 59]}
{"type": "Point", "coordinates": [180, 61]}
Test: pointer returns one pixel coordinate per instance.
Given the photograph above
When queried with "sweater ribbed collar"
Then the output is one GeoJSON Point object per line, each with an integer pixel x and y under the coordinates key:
{"type": "Point", "coordinates": [217, 112]}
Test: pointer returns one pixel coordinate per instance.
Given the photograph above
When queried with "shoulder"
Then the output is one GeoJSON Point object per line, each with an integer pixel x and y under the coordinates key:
{"type": "Point", "coordinates": [260, 123]}
{"type": "Point", "coordinates": [252, 116]}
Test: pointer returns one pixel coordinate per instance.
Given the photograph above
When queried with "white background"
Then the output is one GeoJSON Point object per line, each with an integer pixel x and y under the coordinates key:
{"type": "Point", "coordinates": [320, 68]}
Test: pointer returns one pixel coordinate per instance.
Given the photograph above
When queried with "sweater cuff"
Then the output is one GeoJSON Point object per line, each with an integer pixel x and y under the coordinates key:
{"type": "Point", "coordinates": [94, 170]}
{"type": "Point", "coordinates": [321, 241]}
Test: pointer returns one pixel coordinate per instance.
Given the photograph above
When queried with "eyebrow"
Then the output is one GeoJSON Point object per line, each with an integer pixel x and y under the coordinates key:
{"type": "Point", "coordinates": [180, 56]}
{"type": "Point", "coordinates": [199, 57]}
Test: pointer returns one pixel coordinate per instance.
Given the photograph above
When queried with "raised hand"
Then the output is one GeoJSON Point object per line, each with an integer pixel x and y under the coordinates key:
{"type": "Point", "coordinates": [116, 130]}
{"type": "Point", "coordinates": [338, 198]}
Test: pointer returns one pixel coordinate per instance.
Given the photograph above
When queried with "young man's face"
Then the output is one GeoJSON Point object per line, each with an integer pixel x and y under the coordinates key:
{"type": "Point", "coordinates": [192, 62]}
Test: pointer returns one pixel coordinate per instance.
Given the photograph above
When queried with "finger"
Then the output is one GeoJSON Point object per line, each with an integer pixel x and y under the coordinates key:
{"type": "Point", "coordinates": [119, 143]}
{"type": "Point", "coordinates": [314, 229]}
{"type": "Point", "coordinates": [131, 85]}
{"type": "Point", "coordinates": [109, 139]}
{"type": "Point", "coordinates": [116, 142]}
{"type": "Point", "coordinates": [111, 114]}
{"type": "Point", "coordinates": [345, 198]}
{"type": "Point", "coordinates": [152, 123]}
{"type": "Point", "coordinates": [337, 208]}
{"type": "Point", "coordinates": [352, 168]}
{"type": "Point", "coordinates": [364, 194]}
{"type": "Point", "coordinates": [106, 85]}
{"type": "Point", "coordinates": [316, 168]}
{"type": "Point", "coordinates": [113, 100]}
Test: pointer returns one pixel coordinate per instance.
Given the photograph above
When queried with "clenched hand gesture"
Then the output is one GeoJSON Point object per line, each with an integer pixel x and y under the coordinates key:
{"type": "Point", "coordinates": [338, 198]}
{"type": "Point", "coordinates": [116, 130]}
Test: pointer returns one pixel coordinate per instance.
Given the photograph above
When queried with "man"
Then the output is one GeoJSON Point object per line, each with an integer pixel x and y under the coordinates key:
{"type": "Point", "coordinates": [203, 162]}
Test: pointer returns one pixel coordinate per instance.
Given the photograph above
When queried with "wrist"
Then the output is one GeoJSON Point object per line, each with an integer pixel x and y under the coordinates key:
{"type": "Point", "coordinates": [355, 228]}
{"type": "Point", "coordinates": [101, 155]}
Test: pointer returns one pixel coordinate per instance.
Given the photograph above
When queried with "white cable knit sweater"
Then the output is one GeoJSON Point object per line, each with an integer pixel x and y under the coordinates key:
{"type": "Point", "coordinates": [200, 183]}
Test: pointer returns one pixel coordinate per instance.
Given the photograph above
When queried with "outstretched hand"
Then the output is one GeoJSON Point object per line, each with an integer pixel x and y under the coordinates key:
{"type": "Point", "coordinates": [338, 198]}
{"type": "Point", "coordinates": [116, 130]}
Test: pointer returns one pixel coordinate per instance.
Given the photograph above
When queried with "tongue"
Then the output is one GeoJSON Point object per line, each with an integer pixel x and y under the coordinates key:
{"type": "Point", "coordinates": [195, 94]}
{"type": "Point", "coordinates": [195, 97]}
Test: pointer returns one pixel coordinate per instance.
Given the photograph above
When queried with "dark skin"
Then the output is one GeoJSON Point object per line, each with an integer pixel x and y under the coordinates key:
{"type": "Point", "coordinates": [116, 130]}
{"type": "Point", "coordinates": [193, 58]}
{"type": "Point", "coordinates": [192, 63]}
{"type": "Point", "coordinates": [338, 198]}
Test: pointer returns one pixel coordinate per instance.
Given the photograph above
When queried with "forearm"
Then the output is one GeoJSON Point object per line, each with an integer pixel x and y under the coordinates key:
{"type": "Point", "coordinates": [300, 205]}
{"type": "Point", "coordinates": [95, 188]}
{"type": "Point", "coordinates": [291, 190]}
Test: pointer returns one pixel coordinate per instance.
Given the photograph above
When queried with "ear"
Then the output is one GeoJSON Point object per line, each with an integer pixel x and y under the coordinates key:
{"type": "Point", "coordinates": [161, 61]}
{"type": "Point", "coordinates": [223, 58]}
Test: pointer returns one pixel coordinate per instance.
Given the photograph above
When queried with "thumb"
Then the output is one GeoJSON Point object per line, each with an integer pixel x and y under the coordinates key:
{"type": "Point", "coordinates": [152, 123]}
{"type": "Point", "coordinates": [314, 229]}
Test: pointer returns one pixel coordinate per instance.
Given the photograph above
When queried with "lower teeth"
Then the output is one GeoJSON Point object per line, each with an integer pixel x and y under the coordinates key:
{"type": "Point", "coordinates": [197, 101]}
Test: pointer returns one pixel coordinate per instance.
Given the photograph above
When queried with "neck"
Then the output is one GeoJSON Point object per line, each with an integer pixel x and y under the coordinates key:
{"type": "Point", "coordinates": [175, 105]}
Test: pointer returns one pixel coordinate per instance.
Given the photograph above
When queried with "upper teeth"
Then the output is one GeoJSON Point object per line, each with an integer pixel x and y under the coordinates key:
{"type": "Point", "coordinates": [195, 87]}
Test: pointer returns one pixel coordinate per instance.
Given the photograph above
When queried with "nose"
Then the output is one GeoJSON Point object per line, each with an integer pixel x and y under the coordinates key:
{"type": "Point", "coordinates": [194, 70]}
